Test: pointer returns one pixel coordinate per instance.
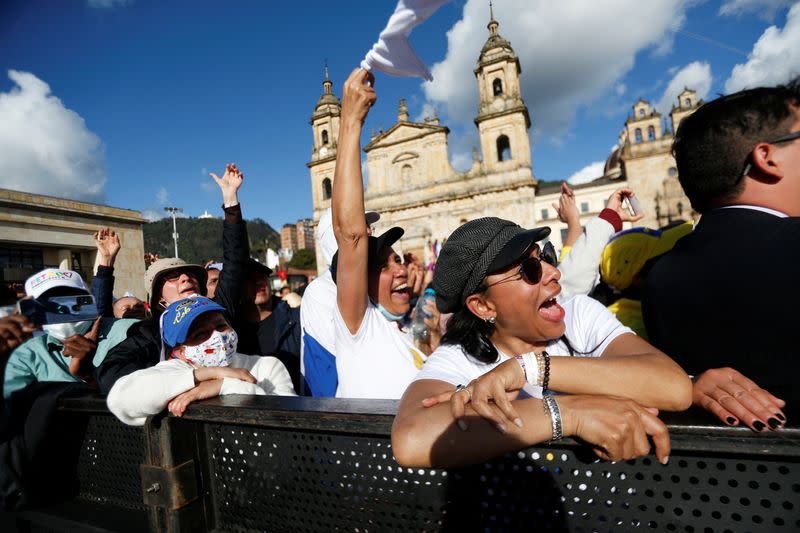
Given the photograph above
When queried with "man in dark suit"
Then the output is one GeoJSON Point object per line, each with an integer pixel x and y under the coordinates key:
{"type": "Point", "coordinates": [724, 303]}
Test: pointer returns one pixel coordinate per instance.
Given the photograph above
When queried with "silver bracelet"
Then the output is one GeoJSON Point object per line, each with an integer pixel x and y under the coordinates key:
{"type": "Point", "coordinates": [551, 408]}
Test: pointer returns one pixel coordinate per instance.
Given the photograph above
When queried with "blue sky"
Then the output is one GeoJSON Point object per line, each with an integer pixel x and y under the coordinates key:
{"type": "Point", "coordinates": [131, 103]}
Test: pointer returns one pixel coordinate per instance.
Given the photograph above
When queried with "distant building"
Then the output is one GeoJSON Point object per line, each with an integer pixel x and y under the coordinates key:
{"type": "Point", "coordinates": [206, 214]}
{"type": "Point", "coordinates": [412, 183]}
{"type": "Point", "coordinates": [289, 237]}
{"type": "Point", "coordinates": [38, 231]}
{"type": "Point", "coordinates": [305, 234]}
{"type": "Point", "coordinates": [298, 236]}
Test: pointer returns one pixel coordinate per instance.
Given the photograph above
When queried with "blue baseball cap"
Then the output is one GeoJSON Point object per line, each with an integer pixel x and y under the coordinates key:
{"type": "Point", "coordinates": [178, 318]}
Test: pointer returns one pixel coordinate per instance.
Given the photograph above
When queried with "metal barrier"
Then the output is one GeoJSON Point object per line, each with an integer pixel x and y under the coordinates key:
{"type": "Point", "coordinates": [243, 463]}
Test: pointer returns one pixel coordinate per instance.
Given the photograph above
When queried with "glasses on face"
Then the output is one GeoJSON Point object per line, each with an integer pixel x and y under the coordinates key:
{"type": "Point", "coordinates": [777, 140]}
{"type": "Point", "coordinates": [172, 277]}
{"type": "Point", "coordinates": [531, 267]}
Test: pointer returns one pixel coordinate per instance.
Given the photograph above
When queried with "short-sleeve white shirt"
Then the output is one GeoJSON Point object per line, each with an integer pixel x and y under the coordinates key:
{"type": "Point", "coordinates": [590, 328]}
{"type": "Point", "coordinates": [379, 361]}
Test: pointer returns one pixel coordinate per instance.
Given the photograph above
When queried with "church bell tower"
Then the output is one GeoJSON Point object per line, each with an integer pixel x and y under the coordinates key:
{"type": "Point", "coordinates": [503, 119]}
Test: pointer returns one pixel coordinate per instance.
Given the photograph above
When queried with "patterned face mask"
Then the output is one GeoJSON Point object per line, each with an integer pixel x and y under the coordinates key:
{"type": "Point", "coordinates": [214, 351]}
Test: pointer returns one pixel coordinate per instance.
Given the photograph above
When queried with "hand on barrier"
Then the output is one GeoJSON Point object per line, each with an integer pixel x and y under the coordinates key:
{"type": "Point", "coordinates": [206, 389]}
{"type": "Point", "coordinates": [490, 396]}
{"type": "Point", "coordinates": [80, 349]}
{"type": "Point", "coordinates": [206, 373]}
{"type": "Point", "coordinates": [617, 429]}
{"type": "Point", "coordinates": [732, 398]}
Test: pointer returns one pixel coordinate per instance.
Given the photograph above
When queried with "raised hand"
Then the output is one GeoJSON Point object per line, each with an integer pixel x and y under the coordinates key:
{"type": "Point", "coordinates": [206, 373]}
{"type": "Point", "coordinates": [206, 389]}
{"type": "Point", "coordinates": [229, 184]}
{"type": "Point", "coordinates": [734, 398]}
{"type": "Point", "coordinates": [617, 429]}
{"type": "Point", "coordinates": [358, 96]}
{"type": "Point", "coordinates": [80, 349]}
{"type": "Point", "coordinates": [567, 208]}
{"type": "Point", "coordinates": [108, 246]}
{"type": "Point", "coordinates": [615, 203]}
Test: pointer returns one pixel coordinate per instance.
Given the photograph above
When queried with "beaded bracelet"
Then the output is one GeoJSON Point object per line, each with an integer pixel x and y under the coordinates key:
{"type": "Point", "coordinates": [546, 374]}
{"type": "Point", "coordinates": [551, 409]}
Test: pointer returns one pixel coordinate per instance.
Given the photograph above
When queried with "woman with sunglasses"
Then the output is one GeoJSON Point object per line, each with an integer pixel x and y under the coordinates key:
{"type": "Point", "coordinates": [479, 395]}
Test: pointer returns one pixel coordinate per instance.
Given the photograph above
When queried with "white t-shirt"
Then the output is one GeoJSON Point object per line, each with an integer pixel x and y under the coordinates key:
{"type": "Point", "coordinates": [316, 313]}
{"type": "Point", "coordinates": [148, 391]}
{"type": "Point", "coordinates": [379, 361]}
{"type": "Point", "coordinates": [590, 328]}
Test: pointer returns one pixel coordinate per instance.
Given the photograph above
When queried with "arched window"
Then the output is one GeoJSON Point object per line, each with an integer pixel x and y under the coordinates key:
{"type": "Point", "coordinates": [688, 102]}
{"type": "Point", "coordinates": [405, 174]}
{"type": "Point", "coordinates": [641, 111]}
{"type": "Point", "coordinates": [503, 148]}
{"type": "Point", "coordinates": [324, 136]}
{"type": "Point", "coordinates": [638, 135]}
{"type": "Point", "coordinates": [680, 208]}
{"type": "Point", "coordinates": [326, 189]}
{"type": "Point", "coordinates": [497, 86]}
{"type": "Point", "coordinates": [651, 133]}
{"type": "Point", "coordinates": [672, 172]}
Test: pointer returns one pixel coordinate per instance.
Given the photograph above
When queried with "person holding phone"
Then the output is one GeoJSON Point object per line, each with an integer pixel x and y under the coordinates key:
{"type": "Point", "coordinates": [74, 341]}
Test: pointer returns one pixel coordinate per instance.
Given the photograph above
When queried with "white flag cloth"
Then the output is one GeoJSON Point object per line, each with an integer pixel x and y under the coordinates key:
{"type": "Point", "coordinates": [392, 53]}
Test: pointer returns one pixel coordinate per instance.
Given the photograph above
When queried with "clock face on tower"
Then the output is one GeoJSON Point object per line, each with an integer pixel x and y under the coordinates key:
{"type": "Point", "coordinates": [323, 151]}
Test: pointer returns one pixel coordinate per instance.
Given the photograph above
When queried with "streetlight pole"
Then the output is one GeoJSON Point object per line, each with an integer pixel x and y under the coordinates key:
{"type": "Point", "coordinates": [174, 211]}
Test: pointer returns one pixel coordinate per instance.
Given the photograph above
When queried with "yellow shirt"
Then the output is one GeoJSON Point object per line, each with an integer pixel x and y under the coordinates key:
{"type": "Point", "coordinates": [629, 312]}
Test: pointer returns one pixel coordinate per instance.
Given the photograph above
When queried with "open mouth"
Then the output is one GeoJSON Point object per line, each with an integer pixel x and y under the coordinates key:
{"type": "Point", "coordinates": [401, 291]}
{"type": "Point", "coordinates": [551, 311]}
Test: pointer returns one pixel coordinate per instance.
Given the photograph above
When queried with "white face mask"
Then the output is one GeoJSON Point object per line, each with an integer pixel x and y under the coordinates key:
{"type": "Point", "coordinates": [7, 310]}
{"type": "Point", "coordinates": [215, 351]}
{"type": "Point", "coordinates": [67, 329]}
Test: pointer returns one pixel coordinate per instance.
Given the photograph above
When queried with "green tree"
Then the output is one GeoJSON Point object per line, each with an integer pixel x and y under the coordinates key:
{"type": "Point", "coordinates": [201, 239]}
{"type": "Point", "coordinates": [304, 259]}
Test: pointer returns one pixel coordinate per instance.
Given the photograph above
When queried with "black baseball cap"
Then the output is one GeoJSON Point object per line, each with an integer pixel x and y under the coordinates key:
{"type": "Point", "coordinates": [376, 244]}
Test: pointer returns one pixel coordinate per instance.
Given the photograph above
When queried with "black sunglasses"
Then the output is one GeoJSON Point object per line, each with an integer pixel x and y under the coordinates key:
{"type": "Point", "coordinates": [530, 269]}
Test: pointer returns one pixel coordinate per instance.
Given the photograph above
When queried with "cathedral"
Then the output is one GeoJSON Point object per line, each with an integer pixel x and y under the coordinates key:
{"type": "Point", "coordinates": [412, 183]}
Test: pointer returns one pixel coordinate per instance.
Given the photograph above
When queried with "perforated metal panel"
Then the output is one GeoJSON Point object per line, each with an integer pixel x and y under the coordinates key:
{"type": "Point", "coordinates": [268, 480]}
{"type": "Point", "coordinates": [108, 466]}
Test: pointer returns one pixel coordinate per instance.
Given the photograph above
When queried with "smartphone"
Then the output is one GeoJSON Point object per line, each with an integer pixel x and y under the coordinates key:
{"type": "Point", "coordinates": [634, 207]}
{"type": "Point", "coordinates": [59, 309]}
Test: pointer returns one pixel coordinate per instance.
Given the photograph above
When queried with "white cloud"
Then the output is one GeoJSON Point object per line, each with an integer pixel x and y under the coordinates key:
{"type": "Point", "coordinates": [569, 57]}
{"type": "Point", "coordinates": [46, 148]}
{"type": "Point", "coordinates": [151, 215]}
{"type": "Point", "coordinates": [428, 111]}
{"type": "Point", "coordinates": [766, 9]}
{"type": "Point", "coordinates": [620, 89]}
{"type": "Point", "coordinates": [695, 76]}
{"type": "Point", "coordinates": [107, 4]}
{"type": "Point", "coordinates": [588, 173]}
{"type": "Point", "coordinates": [162, 195]}
{"type": "Point", "coordinates": [461, 161]}
{"type": "Point", "coordinates": [775, 57]}
{"type": "Point", "coordinates": [209, 186]}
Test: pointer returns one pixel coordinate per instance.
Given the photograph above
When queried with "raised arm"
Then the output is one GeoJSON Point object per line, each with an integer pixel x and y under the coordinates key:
{"type": "Point", "coordinates": [235, 244]}
{"type": "Point", "coordinates": [617, 429]}
{"type": "Point", "coordinates": [349, 225]}
{"type": "Point", "coordinates": [108, 245]}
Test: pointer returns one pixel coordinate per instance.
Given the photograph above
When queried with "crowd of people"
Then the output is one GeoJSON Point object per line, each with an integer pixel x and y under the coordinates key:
{"type": "Point", "coordinates": [522, 346]}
